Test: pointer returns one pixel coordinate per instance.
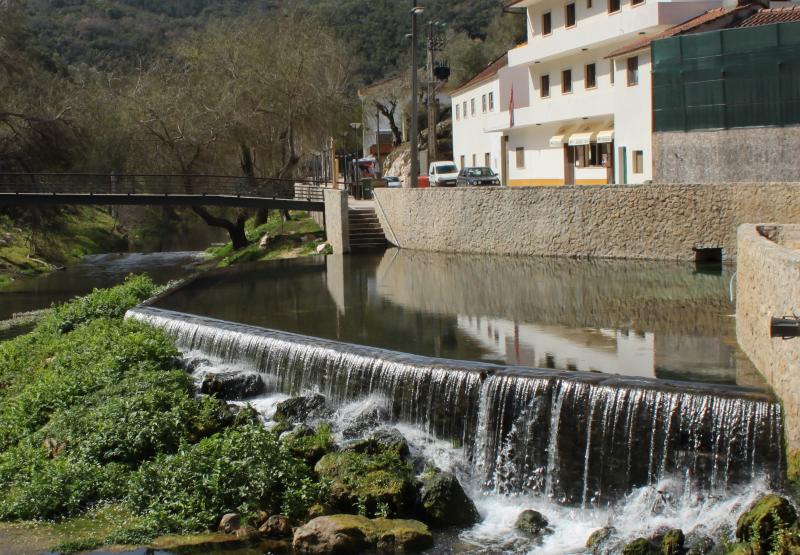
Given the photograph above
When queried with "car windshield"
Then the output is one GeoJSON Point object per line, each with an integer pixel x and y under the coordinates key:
{"type": "Point", "coordinates": [480, 172]}
{"type": "Point", "coordinates": [447, 168]}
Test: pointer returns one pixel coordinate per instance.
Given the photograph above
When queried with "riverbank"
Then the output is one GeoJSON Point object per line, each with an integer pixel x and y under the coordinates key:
{"type": "Point", "coordinates": [27, 249]}
{"type": "Point", "coordinates": [276, 239]}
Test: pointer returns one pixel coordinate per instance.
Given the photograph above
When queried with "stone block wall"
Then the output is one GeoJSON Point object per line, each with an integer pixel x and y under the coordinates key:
{"type": "Point", "coordinates": [727, 155]}
{"type": "Point", "coordinates": [337, 226]}
{"type": "Point", "coordinates": [639, 221]}
{"type": "Point", "coordinates": [767, 285]}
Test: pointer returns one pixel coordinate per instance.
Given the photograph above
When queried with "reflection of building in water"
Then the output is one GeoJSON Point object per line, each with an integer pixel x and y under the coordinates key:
{"type": "Point", "coordinates": [680, 357]}
{"type": "Point", "coordinates": [553, 346]}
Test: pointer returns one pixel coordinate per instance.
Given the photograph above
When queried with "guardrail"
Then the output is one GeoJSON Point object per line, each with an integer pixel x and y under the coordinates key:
{"type": "Point", "coordinates": [158, 185]}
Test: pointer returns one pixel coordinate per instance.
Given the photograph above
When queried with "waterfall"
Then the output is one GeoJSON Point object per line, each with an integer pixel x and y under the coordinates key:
{"type": "Point", "coordinates": [579, 438]}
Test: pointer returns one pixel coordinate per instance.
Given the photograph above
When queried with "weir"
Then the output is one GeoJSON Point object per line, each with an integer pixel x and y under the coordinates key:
{"type": "Point", "coordinates": [581, 438]}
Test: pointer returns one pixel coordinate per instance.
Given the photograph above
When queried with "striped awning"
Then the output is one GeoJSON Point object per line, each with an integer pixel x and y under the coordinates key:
{"type": "Point", "coordinates": [578, 139]}
{"type": "Point", "coordinates": [560, 139]}
{"type": "Point", "coordinates": [605, 136]}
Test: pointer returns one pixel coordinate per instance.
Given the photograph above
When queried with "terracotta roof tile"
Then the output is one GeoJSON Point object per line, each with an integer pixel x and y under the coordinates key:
{"type": "Point", "coordinates": [484, 75]}
{"type": "Point", "coordinates": [768, 16]}
{"type": "Point", "coordinates": [685, 27]}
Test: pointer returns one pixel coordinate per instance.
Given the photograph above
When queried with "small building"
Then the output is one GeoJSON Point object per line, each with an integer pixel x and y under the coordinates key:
{"type": "Point", "coordinates": [569, 110]}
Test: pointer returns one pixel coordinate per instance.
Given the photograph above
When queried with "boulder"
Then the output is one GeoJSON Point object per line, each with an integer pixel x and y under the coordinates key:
{"type": "Point", "coordinates": [532, 523]}
{"type": "Point", "coordinates": [346, 534]}
{"type": "Point", "coordinates": [383, 440]}
{"type": "Point", "coordinates": [640, 546]}
{"type": "Point", "coordinates": [443, 502]}
{"type": "Point", "coordinates": [767, 515]}
{"type": "Point", "coordinates": [599, 537]}
{"type": "Point", "coordinates": [230, 523]}
{"type": "Point", "coordinates": [191, 364]}
{"type": "Point", "coordinates": [302, 409]}
{"type": "Point", "coordinates": [263, 243]}
{"type": "Point", "coordinates": [276, 526]}
{"type": "Point", "coordinates": [304, 442]}
{"type": "Point", "coordinates": [332, 535]}
{"type": "Point", "coordinates": [372, 485]}
{"type": "Point", "coordinates": [232, 385]}
{"type": "Point", "coordinates": [672, 542]}
{"type": "Point", "coordinates": [364, 422]}
{"type": "Point", "coordinates": [699, 544]}
{"type": "Point", "coordinates": [246, 533]}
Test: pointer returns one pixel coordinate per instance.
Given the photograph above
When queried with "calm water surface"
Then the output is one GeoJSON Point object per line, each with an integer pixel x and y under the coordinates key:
{"type": "Point", "coordinates": [103, 270]}
{"type": "Point", "coordinates": [654, 319]}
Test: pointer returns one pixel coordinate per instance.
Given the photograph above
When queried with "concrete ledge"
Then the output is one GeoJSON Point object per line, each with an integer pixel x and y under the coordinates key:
{"type": "Point", "coordinates": [658, 221]}
{"type": "Point", "coordinates": [768, 284]}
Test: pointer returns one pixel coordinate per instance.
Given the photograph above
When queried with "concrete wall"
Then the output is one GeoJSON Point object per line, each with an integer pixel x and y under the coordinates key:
{"type": "Point", "coordinates": [725, 156]}
{"type": "Point", "coordinates": [641, 221]}
{"type": "Point", "coordinates": [768, 284]}
{"type": "Point", "coordinates": [337, 226]}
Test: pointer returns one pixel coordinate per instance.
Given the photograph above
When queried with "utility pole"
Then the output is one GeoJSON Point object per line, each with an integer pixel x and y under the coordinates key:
{"type": "Point", "coordinates": [433, 104]}
{"type": "Point", "coordinates": [378, 140]}
{"type": "Point", "coordinates": [415, 9]}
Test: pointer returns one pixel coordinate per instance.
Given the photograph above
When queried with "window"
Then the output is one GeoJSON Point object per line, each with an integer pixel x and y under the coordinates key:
{"type": "Point", "coordinates": [462, 160]}
{"type": "Point", "coordinates": [487, 160]}
{"type": "Point", "coordinates": [570, 15]}
{"type": "Point", "coordinates": [483, 103]}
{"type": "Point", "coordinates": [633, 71]}
{"type": "Point", "coordinates": [520, 157]}
{"type": "Point", "coordinates": [474, 161]}
{"type": "Point", "coordinates": [590, 76]}
{"type": "Point", "coordinates": [638, 161]}
{"type": "Point", "coordinates": [588, 4]}
{"type": "Point", "coordinates": [491, 102]}
{"type": "Point", "coordinates": [472, 107]}
{"type": "Point", "coordinates": [566, 81]}
{"type": "Point", "coordinates": [636, 2]}
{"type": "Point", "coordinates": [593, 155]}
{"type": "Point", "coordinates": [611, 70]}
{"type": "Point", "coordinates": [464, 109]}
{"type": "Point", "coordinates": [458, 111]}
{"type": "Point", "coordinates": [547, 23]}
{"type": "Point", "coordinates": [613, 6]}
{"type": "Point", "coordinates": [544, 86]}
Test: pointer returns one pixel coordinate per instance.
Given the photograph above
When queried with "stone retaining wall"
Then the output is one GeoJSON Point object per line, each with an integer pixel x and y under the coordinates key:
{"type": "Point", "coordinates": [639, 221]}
{"type": "Point", "coordinates": [767, 285]}
{"type": "Point", "coordinates": [337, 225]}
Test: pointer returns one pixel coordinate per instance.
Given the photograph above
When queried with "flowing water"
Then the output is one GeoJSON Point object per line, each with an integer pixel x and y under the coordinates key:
{"type": "Point", "coordinates": [586, 448]}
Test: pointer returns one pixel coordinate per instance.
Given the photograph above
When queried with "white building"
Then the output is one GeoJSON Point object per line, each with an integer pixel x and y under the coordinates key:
{"type": "Point", "coordinates": [580, 114]}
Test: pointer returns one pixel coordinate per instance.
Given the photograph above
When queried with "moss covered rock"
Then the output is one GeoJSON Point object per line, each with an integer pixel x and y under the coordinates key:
{"type": "Point", "coordinates": [640, 546]}
{"type": "Point", "coordinates": [308, 443]}
{"type": "Point", "coordinates": [672, 542]}
{"type": "Point", "coordinates": [443, 502]}
{"type": "Point", "coordinates": [344, 534]}
{"type": "Point", "coordinates": [599, 537]}
{"type": "Point", "coordinates": [372, 485]}
{"type": "Point", "coordinates": [533, 523]}
{"type": "Point", "coordinates": [767, 516]}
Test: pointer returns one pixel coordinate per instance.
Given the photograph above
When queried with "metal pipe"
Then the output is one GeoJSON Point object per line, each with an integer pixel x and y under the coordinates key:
{"type": "Point", "coordinates": [414, 177]}
{"type": "Point", "coordinates": [785, 327]}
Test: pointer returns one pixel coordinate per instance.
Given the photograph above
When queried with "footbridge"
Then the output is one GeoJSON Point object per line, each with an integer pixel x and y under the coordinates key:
{"type": "Point", "coordinates": [32, 189]}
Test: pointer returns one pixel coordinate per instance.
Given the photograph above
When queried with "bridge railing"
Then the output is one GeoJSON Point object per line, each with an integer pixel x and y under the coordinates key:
{"type": "Point", "coordinates": [154, 184]}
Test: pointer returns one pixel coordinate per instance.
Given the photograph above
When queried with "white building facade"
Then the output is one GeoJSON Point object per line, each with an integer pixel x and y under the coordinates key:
{"type": "Point", "coordinates": [580, 114]}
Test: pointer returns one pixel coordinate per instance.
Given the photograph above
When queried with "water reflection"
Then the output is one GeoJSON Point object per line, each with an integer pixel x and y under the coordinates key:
{"type": "Point", "coordinates": [102, 270]}
{"type": "Point", "coordinates": [626, 317]}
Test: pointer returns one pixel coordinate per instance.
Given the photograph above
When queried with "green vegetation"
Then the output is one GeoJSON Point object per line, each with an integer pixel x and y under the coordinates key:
{"type": "Point", "coordinates": [35, 241]}
{"type": "Point", "coordinates": [95, 413]}
{"type": "Point", "coordinates": [299, 236]}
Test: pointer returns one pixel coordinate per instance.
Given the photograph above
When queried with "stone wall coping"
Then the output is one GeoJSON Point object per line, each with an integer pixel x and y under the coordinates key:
{"type": "Point", "coordinates": [753, 234]}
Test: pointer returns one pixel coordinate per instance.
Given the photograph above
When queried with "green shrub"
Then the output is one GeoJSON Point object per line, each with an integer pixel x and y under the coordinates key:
{"type": "Point", "coordinates": [240, 470]}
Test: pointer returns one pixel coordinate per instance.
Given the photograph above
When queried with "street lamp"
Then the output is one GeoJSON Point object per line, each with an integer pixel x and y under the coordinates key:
{"type": "Point", "coordinates": [415, 10]}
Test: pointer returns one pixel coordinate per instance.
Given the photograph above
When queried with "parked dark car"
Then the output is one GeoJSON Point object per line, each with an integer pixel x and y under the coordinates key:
{"type": "Point", "coordinates": [477, 176]}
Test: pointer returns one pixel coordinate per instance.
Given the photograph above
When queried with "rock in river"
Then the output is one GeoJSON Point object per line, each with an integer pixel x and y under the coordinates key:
{"type": "Point", "coordinates": [347, 534]}
{"type": "Point", "coordinates": [443, 502]}
{"type": "Point", "coordinates": [765, 517]}
{"type": "Point", "coordinates": [232, 385]}
{"type": "Point", "coordinates": [302, 409]}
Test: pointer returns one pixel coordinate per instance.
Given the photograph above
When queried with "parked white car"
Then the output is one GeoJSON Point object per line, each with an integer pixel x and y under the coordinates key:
{"type": "Point", "coordinates": [443, 174]}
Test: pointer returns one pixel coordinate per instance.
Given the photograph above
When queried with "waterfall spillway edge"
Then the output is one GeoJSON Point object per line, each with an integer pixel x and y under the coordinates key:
{"type": "Point", "coordinates": [579, 438]}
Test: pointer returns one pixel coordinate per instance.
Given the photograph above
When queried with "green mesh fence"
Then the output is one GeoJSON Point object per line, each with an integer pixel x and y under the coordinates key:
{"type": "Point", "coordinates": [731, 78]}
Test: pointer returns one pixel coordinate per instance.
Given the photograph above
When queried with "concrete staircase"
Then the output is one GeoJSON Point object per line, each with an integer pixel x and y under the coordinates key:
{"type": "Point", "coordinates": [366, 232]}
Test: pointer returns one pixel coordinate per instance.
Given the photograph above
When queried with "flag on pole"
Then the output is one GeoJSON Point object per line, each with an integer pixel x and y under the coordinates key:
{"type": "Point", "coordinates": [511, 108]}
